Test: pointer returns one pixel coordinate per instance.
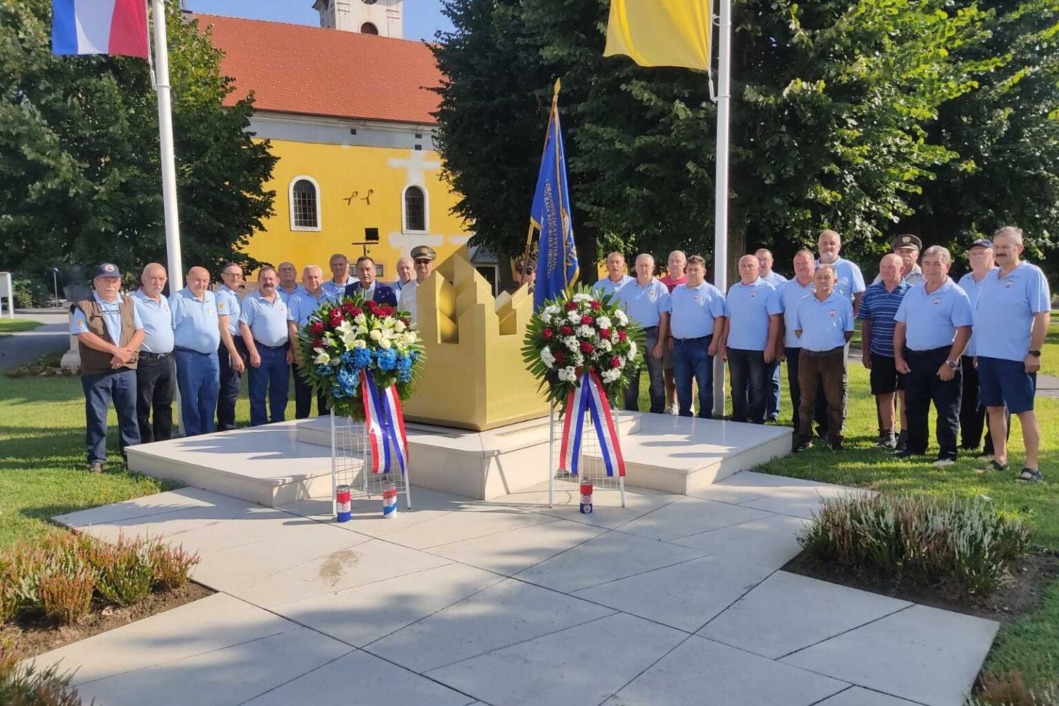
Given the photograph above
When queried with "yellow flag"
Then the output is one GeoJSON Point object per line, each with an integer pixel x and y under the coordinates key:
{"type": "Point", "coordinates": [661, 32]}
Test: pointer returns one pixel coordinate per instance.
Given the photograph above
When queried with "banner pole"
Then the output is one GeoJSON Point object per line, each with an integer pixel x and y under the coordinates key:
{"type": "Point", "coordinates": [165, 130]}
{"type": "Point", "coordinates": [720, 236]}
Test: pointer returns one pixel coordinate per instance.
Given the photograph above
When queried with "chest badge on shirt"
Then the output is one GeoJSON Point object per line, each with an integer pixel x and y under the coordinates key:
{"type": "Point", "coordinates": [937, 301]}
{"type": "Point", "coordinates": [1009, 284]}
{"type": "Point", "coordinates": [211, 311]}
{"type": "Point", "coordinates": [753, 295]}
{"type": "Point", "coordinates": [652, 295]}
{"type": "Point", "coordinates": [832, 313]}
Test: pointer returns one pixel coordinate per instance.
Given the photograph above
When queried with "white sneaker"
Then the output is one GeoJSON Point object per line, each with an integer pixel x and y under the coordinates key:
{"type": "Point", "coordinates": [673, 409]}
{"type": "Point", "coordinates": [944, 462]}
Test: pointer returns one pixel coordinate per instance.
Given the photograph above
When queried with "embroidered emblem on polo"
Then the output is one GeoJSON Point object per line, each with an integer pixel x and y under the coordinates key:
{"type": "Point", "coordinates": [1009, 284]}
{"type": "Point", "coordinates": [937, 301]}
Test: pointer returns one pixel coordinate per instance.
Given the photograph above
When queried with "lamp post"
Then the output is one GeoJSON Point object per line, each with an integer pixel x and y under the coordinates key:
{"type": "Point", "coordinates": [55, 283]}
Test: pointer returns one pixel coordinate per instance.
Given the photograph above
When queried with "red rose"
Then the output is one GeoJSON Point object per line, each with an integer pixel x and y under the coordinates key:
{"type": "Point", "coordinates": [604, 333]}
{"type": "Point", "coordinates": [356, 311]}
{"type": "Point", "coordinates": [587, 320]}
{"type": "Point", "coordinates": [560, 357]}
{"type": "Point", "coordinates": [596, 305]}
{"type": "Point", "coordinates": [336, 313]}
{"type": "Point", "coordinates": [318, 343]}
{"type": "Point", "coordinates": [317, 328]}
{"type": "Point", "coordinates": [566, 331]}
{"type": "Point", "coordinates": [587, 347]}
{"type": "Point", "coordinates": [615, 362]}
{"type": "Point", "coordinates": [547, 334]}
{"type": "Point", "coordinates": [348, 307]}
{"type": "Point", "coordinates": [622, 336]}
{"type": "Point", "coordinates": [571, 305]}
{"type": "Point", "coordinates": [386, 310]}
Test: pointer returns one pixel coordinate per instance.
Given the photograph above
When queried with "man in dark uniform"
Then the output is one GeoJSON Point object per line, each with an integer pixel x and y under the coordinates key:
{"type": "Point", "coordinates": [109, 333]}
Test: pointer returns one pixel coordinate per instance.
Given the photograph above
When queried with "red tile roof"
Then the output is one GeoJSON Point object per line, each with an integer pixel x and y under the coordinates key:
{"type": "Point", "coordinates": [313, 71]}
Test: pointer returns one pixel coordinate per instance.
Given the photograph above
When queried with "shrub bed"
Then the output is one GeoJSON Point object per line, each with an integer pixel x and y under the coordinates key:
{"type": "Point", "coordinates": [61, 577]}
{"type": "Point", "coordinates": [964, 543]}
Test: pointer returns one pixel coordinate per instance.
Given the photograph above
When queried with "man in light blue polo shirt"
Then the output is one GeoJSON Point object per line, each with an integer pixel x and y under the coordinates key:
{"type": "Point", "coordinates": [823, 323]}
{"type": "Point", "coordinates": [263, 325]}
{"type": "Point", "coordinates": [156, 372]}
{"type": "Point", "coordinates": [303, 305]}
{"type": "Point", "coordinates": [288, 281]}
{"type": "Point", "coordinates": [973, 417]}
{"type": "Point", "coordinates": [340, 277]}
{"type": "Point", "coordinates": [231, 354]}
{"type": "Point", "coordinates": [616, 277]}
{"type": "Point", "coordinates": [766, 260]}
{"type": "Point", "coordinates": [751, 333]}
{"type": "Point", "coordinates": [696, 324]}
{"type": "Point", "coordinates": [788, 346]}
{"type": "Point", "coordinates": [197, 326]}
{"type": "Point", "coordinates": [933, 327]}
{"type": "Point", "coordinates": [850, 279]}
{"type": "Point", "coordinates": [1011, 322]}
{"type": "Point", "coordinates": [646, 301]}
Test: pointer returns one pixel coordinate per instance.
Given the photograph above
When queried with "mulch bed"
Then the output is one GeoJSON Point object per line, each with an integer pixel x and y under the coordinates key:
{"type": "Point", "coordinates": [35, 637]}
{"type": "Point", "coordinates": [1021, 597]}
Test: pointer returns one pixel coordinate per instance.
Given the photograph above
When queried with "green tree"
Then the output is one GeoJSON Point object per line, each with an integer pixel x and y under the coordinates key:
{"type": "Point", "coordinates": [80, 176]}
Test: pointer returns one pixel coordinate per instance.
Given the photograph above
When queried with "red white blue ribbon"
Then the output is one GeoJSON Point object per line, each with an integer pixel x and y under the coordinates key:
{"type": "Point", "coordinates": [589, 398]}
{"type": "Point", "coordinates": [384, 420]}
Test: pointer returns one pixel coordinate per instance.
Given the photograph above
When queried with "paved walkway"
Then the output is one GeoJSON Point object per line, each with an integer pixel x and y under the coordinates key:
{"type": "Point", "coordinates": [672, 600]}
{"type": "Point", "coordinates": [53, 335]}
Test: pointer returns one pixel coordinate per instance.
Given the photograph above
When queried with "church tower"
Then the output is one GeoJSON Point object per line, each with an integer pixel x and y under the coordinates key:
{"type": "Point", "coordinates": [381, 17]}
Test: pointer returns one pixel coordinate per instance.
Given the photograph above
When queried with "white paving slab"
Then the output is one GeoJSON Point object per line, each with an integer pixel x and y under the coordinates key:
{"type": "Point", "coordinates": [704, 672]}
{"type": "Point", "coordinates": [772, 541]}
{"type": "Point", "coordinates": [372, 561]}
{"type": "Point", "coordinates": [513, 551]}
{"type": "Point", "coordinates": [691, 515]}
{"type": "Point", "coordinates": [361, 679]}
{"type": "Point", "coordinates": [922, 654]}
{"type": "Point", "coordinates": [684, 596]}
{"type": "Point", "coordinates": [566, 503]}
{"type": "Point", "coordinates": [856, 696]}
{"type": "Point", "coordinates": [800, 501]}
{"type": "Point", "coordinates": [167, 637]}
{"type": "Point", "coordinates": [471, 522]}
{"type": "Point", "coordinates": [157, 504]}
{"type": "Point", "coordinates": [788, 612]}
{"type": "Point", "coordinates": [581, 666]}
{"type": "Point", "coordinates": [502, 615]}
{"type": "Point", "coordinates": [224, 677]}
{"type": "Point", "coordinates": [607, 558]}
{"type": "Point", "coordinates": [372, 611]}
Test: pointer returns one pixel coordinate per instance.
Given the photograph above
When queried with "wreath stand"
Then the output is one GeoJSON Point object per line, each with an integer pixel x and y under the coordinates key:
{"type": "Point", "coordinates": [351, 462]}
{"type": "Point", "coordinates": [591, 466]}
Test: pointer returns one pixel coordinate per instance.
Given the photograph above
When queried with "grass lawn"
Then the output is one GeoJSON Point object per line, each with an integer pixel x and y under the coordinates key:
{"type": "Point", "coordinates": [8, 326]}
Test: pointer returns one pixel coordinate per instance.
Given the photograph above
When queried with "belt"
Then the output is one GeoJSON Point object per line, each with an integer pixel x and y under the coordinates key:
{"type": "Point", "coordinates": [181, 349]}
{"type": "Point", "coordinates": [147, 355]}
{"type": "Point", "coordinates": [259, 344]}
{"type": "Point", "coordinates": [821, 354]}
{"type": "Point", "coordinates": [699, 338]}
{"type": "Point", "coordinates": [928, 351]}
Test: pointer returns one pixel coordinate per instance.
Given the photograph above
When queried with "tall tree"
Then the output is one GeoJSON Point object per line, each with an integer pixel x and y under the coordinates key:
{"type": "Point", "coordinates": [80, 176]}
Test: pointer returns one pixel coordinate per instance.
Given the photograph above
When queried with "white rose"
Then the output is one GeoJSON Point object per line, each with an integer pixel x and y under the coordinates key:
{"type": "Point", "coordinates": [547, 358]}
{"type": "Point", "coordinates": [632, 350]}
{"type": "Point", "coordinates": [604, 323]}
{"type": "Point", "coordinates": [375, 335]}
{"type": "Point", "coordinates": [399, 327]}
{"type": "Point", "coordinates": [322, 356]}
{"type": "Point", "coordinates": [574, 316]}
{"type": "Point", "coordinates": [621, 317]}
{"type": "Point", "coordinates": [385, 343]}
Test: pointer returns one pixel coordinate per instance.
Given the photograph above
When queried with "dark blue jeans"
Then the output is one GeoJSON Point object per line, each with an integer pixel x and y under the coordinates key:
{"type": "Point", "coordinates": [749, 385]}
{"type": "Point", "coordinates": [690, 358]}
{"type": "Point", "coordinates": [229, 389]}
{"type": "Point", "coordinates": [118, 386]}
{"type": "Point", "coordinates": [198, 377]}
{"type": "Point", "coordinates": [656, 391]}
{"type": "Point", "coordinates": [271, 378]}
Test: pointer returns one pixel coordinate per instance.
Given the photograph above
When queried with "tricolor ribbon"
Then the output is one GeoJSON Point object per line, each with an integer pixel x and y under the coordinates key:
{"type": "Point", "coordinates": [589, 398]}
{"type": "Point", "coordinates": [384, 421]}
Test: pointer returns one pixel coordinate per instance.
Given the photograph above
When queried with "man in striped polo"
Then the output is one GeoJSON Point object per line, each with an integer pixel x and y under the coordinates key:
{"type": "Point", "coordinates": [876, 315]}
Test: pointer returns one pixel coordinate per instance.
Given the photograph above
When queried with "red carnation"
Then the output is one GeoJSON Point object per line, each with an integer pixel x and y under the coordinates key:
{"type": "Point", "coordinates": [622, 336]}
{"type": "Point", "coordinates": [587, 320]}
{"type": "Point", "coordinates": [317, 328]}
{"type": "Point", "coordinates": [566, 331]}
{"type": "Point", "coordinates": [386, 310]}
{"type": "Point", "coordinates": [604, 333]}
{"type": "Point", "coordinates": [336, 313]}
{"type": "Point", "coordinates": [547, 334]}
{"type": "Point", "coordinates": [615, 362]}
{"type": "Point", "coordinates": [318, 343]}
{"type": "Point", "coordinates": [356, 311]}
{"type": "Point", "coordinates": [587, 347]}
{"type": "Point", "coordinates": [571, 305]}
{"type": "Point", "coordinates": [596, 305]}
{"type": "Point", "coordinates": [560, 357]}
{"type": "Point", "coordinates": [348, 307]}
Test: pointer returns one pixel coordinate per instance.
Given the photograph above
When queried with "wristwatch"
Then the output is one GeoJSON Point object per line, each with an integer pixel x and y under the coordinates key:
{"type": "Point", "coordinates": [952, 364]}
{"type": "Point", "coordinates": [1035, 354]}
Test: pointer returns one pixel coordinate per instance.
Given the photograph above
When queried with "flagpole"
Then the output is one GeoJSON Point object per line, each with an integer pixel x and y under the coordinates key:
{"type": "Point", "coordinates": [165, 129]}
{"type": "Point", "coordinates": [720, 234]}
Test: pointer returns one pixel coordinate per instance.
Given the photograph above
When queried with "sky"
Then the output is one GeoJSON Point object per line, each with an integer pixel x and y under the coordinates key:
{"type": "Point", "coordinates": [421, 17]}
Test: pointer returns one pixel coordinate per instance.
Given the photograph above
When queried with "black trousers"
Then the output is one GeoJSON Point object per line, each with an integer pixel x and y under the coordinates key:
{"type": "Point", "coordinates": [973, 417]}
{"type": "Point", "coordinates": [229, 390]}
{"type": "Point", "coordinates": [155, 389]}
{"type": "Point", "coordinates": [792, 355]}
{"type": "Point", "coordinates": [303, 396]}
{"type": "Point", "coordinates": [923, 386]}
{"type": "Point", "coordinates": [749, 385]}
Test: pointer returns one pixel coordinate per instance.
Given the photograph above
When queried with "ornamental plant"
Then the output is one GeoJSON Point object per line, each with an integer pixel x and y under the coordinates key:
{"type": "Point", "coordinates": [579, 332]}
{"type": "Point", "coordinates": [343, 339]}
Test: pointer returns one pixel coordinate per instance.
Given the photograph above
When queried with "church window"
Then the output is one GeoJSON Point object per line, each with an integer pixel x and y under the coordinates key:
{"type": "Point", "coordinates": [304, 204]}
{"type": "Point", "coordinates": [415, 209]}
{"type": "Point", "coordinates": [369, 28]}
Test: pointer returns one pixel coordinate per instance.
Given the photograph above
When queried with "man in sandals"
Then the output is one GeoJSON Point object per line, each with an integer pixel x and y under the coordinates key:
{"type": "Point", "coordinates": [1011, 321]}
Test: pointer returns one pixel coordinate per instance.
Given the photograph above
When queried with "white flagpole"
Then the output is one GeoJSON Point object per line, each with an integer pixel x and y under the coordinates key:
{"type": "Point", "coordinates": [165, 129]}
{"type": "Point", "coordinates": [720, 235]}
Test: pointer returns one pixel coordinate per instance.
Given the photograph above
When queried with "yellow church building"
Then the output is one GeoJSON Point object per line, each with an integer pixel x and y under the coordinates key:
{"type": "Point", "coordinates": [348, 112]}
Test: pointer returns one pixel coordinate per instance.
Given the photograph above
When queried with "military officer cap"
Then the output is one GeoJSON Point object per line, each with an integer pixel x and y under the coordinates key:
{"type": "Point", "coordinates": [107, 269]}
{"type": "Point", "coordinates": [906, 241]}
{"type": "Point", "coordinates": [423, 252]}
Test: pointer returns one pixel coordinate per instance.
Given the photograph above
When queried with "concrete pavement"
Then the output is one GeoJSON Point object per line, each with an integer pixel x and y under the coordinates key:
{"type": "Point", "coordinates": [18, 349]}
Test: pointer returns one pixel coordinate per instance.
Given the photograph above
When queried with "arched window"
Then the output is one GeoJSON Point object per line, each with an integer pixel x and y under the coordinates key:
{"type": "Point", "coordinates": [415, 209]}
{"type": "Point", "coordinates": [304, 204]}
{"type": "Point", "coordinates": [369, 28]}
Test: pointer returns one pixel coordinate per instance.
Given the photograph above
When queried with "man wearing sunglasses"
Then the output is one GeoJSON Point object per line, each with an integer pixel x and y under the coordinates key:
{"type": "Point", "coordinates": [423, 257]}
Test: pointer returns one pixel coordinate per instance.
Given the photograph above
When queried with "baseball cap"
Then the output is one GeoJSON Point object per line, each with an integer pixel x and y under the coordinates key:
{"type": "Point", "coordinates": [107, 269]}
{"type": "Point", "coordinates": [982, 243]}
{"type": "Point", "coordinates": [906, 241]}
{"type": "Point", "coordinates": [423, 252]}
